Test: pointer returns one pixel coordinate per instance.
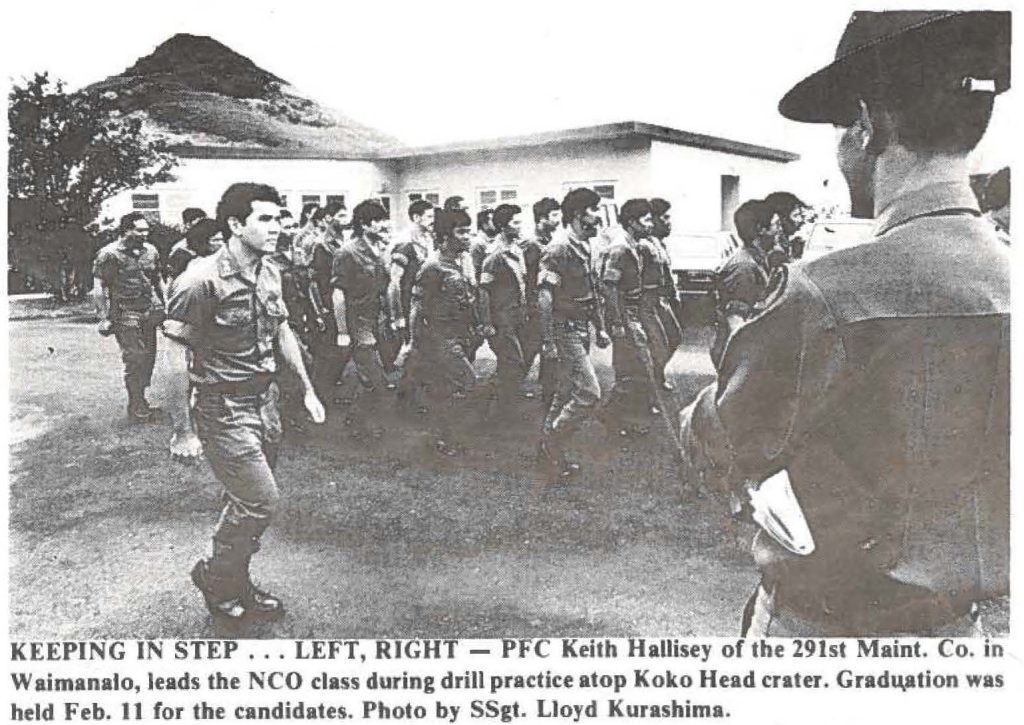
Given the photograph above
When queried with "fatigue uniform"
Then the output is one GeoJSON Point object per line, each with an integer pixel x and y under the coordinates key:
{"type": "Point", "coordinates": [328, 359]}
{"type": "Point", "coordinates": [446, 299]}
{"type": "Point", "coordinates": [656, 316]}
{"type": "Point", "coordinates": [741, 285]}
{"type": "Point", "coordinates": [136, 310]}
{"type": "Point", "coordinates": [230, 322]}
{"type": "Point", "coordinates": [410, 255]}
{"type": "Point", "coordinates": [301, 318]}
{"type": "Point", "coordinates": [671, 313]}
{"type": "Point", "coordinates": [631, 358]}
{"type": "Point", "coordinates": [567, 270]}
{"type": "Point", "coordinates": [503, 275]}
{"type": "Point", "coordinates": [533, 332]}
{"type": "Point", "coordinates": [878, 376]}
{"type": "Point", "coordinates": [360, 272]}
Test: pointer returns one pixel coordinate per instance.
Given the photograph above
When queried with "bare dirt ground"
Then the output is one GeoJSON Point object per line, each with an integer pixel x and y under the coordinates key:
{"type": "Point", "coordinates": [375, 538]}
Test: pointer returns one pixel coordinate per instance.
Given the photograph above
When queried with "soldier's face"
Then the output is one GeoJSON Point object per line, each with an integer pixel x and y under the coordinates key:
{"type": "Point", "coordinates": [645, 225]}
{"type": "Point", "coordinates": [261, 228]}
{"type": "Point", "coordinates": [289, 225]}
{"type": "Point", "coordinates": [589, 222]}
{"type": "Point", "coordinates": [138, 232]}
{"type": "Point", "coordinates": [426, 220]}
{"type": "Point", "coordinates": [461, 237]}
{"type": "Point", "coordinates": [663, 225]}
{"type": "Point", "coordinates": [514, 229]}
{"type": "Point", "coordinates": [553, 220]}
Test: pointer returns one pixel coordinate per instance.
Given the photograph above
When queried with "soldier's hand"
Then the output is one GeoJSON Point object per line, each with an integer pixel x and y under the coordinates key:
{"type": "Point", "coordinates": [185, 447]}
{"type": "Point", "coordinates": [487, 331]}
{"type": "Point", "coordinates": [344, 340]}
{"type": "Point", "coordinates": [398, 325]}
{"type": "Point", "coordinates": [314, 407]}
{"type": "Point", "coordinates": [106, 328]}
{"type": "Point", "coordinates": [602, 339]}
{"type": "Point", "coordinates": [321, 325]}
{"type": "Point", "coordinates": [618, 332]}
{"type": "Point", "coordinates": [549, 350]}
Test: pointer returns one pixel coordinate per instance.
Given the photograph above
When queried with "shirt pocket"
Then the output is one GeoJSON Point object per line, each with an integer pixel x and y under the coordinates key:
{"type": "Point", "coordinates": [234, 313]}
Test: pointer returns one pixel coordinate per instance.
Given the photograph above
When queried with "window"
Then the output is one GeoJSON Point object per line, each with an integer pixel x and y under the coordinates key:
{"type": "Point", "coordinates": [434, 197]}
{"type": "Point", "coordinates": [311, 199]}
{"type": "Point", "coordinates": [490, 198]}
{"type": "Point", "coordinates": [331, 198]}
{"type": "Point", "coordinates": [149, 205]}
{"type": "Point", "coordinates": [284, 200]}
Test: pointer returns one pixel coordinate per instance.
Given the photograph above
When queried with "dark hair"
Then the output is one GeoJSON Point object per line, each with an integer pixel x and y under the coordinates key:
{"type": "Point", "coordinates": [285, 214]}
{"type": "Point", "coordinates": [921, 87]}
{"type": "Point", "coordinates": [365, 212]}
{"type": "Point", "coordinates": [446, 220]}
{"type": "Point", "coordinates": [483, 217]}
{"type": "Point", "coordinates": [750, 218]}
{"type": "Point", "coordinates": [633, 209]}
{"type": "Point", "coordinates": [542, 208]}
{"type": "Point", "coordinates": [237, 201]}
{"type": "Point", "coordinates": [659, 206]}
{"type": "Point", "coordinates": [453, 203]}
{"type": "Point", "coordinates": [318, 215]}
{"type": "Point", "coordinates": [783, 202]}
{"type": "Point", "coordinates": [419, 207]}
{"type": "Point", "coordinates": [128, 221]}
{"type": "Point", "coordinates": [504, 214]}
{"type": "Point", "coordinates": [997, 190]}
{"type": "Point", "coordinates": [309, 210]}
{"type": "Point", "coordinates": [333, 207]}
{"type": "Point", "coordinates": [576, 202]}
{"type": "Point", "coordinates": [201, 232]}
{"type": "Point", "coordinates": [191, 214]}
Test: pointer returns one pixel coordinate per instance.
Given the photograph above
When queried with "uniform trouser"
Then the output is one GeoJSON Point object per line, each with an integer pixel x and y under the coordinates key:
{"type": "Point", "coordinates": [652, 311]}
{"type": "Point", "coordinates": [631, 358]}
{"type": "Point", "coordinates": [577, 390]}
{"type": "Point", "coordinates": [328, 361]}
{"type": "Point", "coordinates": [137, 341]}
{"type": "Point", "coordinates": [443, 369]}
{"type": "Point", "coordinates": [240, 436]}
{"type": "Point", "coordinates": [511, 362]}
{"type": "Point", "coordinates": [763, 617]}
{"type": "Point", "coordinates": [672, 320]}
{"type": "Point", "coordinates": [365, 354]}
{"type": "Point", "coordinates": [532, 337]}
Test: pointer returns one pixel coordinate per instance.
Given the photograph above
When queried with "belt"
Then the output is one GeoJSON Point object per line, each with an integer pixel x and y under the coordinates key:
{"type": "Point", "coordinates": [253, 386]}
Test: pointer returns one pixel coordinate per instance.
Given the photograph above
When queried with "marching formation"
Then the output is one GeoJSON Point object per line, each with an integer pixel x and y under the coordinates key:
{"type": "Point", "coordinates": [861, 410]}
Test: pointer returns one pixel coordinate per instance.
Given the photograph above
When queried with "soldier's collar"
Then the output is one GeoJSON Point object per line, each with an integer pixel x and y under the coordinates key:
{"type": "Point", "coordinates": [228, 264]}
{"type": "Point", "coordinates": [942, 196]}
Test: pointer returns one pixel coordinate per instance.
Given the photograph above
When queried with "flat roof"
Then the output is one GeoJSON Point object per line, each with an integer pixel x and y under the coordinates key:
{"type": "Point", "coordinates": [602, 132]}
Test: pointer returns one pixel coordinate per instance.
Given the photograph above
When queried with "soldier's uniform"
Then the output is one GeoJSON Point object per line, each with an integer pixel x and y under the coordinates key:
{"type": "Point", "coordinates": [328, 359]}
{"type": "Point", "coordinates": [878, 376]}
{"type": "Point", "coordinates": [410, 255]}
{"type": "Point", "coordinates": [230, 321]}
{"type": "Point", "coordinates": [532, 333]}
{"type": "Point", "coordinates": [630, 396]}
{"type": "Point", "coordinates": [130, 273]}
{"type": "Point", "coordinates": [656, 316]}
{"type": "Point", "coordinates": [359, 270]}
{"type": "Point", "coordinates": [672, 307]}
{"type": "Point", "coordinates": [447, 300]}
{"type": "Point", "coordinates": [741, 285]}
{"type": "Point", "coordinates": [503, 275]}
{"type": "Point", "coordinates": [567, 270]}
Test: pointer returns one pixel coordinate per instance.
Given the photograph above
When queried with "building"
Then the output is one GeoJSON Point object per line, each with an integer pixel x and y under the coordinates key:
{"type": "Point", "coordinates": [704, 177]}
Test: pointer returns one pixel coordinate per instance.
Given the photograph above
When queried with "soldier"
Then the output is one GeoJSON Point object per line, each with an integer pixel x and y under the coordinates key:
{"type": "Point", "coordinates": [656, 289]}
{"type": "Point", "coordinates": [793, 216]}
{"type": "Point", "coordinates": [442, 324]}
{"type": "Point", "coordinates": [502, 290]}
{"type": "Point", "coordinates": [226, 309]}
{"type": "Point", "coordinates": [407, 257]}
{"type": "Point", "coordinates": [671, 310]}
{"type": "Point", "coordinates": [328, 358]}
{"type": "Point", "coordinates": [631, 396]}
{"type": "Point", "coordinates": [741, 284]}
{"type": "Point", "coordinates": [360, 282]}
{"type": "Point", "coordinates": [129, 301]}
{"type": "Point", "coordinates": [483, 241]}
{"type": "Point", "coordinates": [547, 218]}
{"type": "Point", "coordinates": [201, 240]}
{"type": "Point", "coordinates": [568, 303]}
{"type": "Point", "coordinates": [877, 378]}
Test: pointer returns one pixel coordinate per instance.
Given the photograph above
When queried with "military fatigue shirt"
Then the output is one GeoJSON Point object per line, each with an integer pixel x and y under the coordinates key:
{"type": "Point", "coordinates": [126, 271]}
{"type": "Point", "coordinates": [360, 272]}
{"type": "Point", "coordinates": [447, 300]}
{"type": "Point", "coordinates": [503, 275]}
{"type": "Point", "coordinates": [657, 267]}
{"type": "Point", "coordinates": [742, 282]}
{"type": "Point", "coordinates": [533, 250]}
{"type": "Point", "coordinates": [228, 318]}
{"type": "Point", "coordinates": [567, 269]}
{"type": "Point", "coordinates": [878, 376]}
{"type": "Point", "coordinates": [410, 256]}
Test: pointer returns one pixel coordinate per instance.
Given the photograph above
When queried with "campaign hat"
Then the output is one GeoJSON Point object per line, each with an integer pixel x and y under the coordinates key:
{"type": "Point", "coordinates": [968, 49]}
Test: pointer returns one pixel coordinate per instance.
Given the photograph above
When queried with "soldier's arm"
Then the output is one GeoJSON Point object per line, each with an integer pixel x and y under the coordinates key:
{"type": "Point", "coordinates": [777, 375]}
{"type": "Point", "coordinates": [292, 356]}
{"type": "Point", "coordinates": [395, 295]}
{"type": "Point", "coordinates": [339, 275]}
{"type": "Point", "coordinates": [101, 297]}
{"type": "Point", "coordinates": [487, 277]}
{"type": "Point", "coordinates": [610, 278]}
{"type": "Point", "coordinates": [184, 442]}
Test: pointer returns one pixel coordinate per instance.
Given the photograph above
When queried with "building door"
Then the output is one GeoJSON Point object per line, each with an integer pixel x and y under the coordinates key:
{"type": "Point", "coordinates": [730, 199]}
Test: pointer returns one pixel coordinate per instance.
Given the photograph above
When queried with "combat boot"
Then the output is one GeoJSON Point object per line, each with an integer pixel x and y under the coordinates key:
{"type": "Point", "coordinates": [223, 595]}
{"type": "Point", "coordinates": [261, 603]}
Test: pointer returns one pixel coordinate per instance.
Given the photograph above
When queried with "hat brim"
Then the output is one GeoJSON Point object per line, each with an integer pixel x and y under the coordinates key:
{"type": "Point", "coordinates": [831, 94]}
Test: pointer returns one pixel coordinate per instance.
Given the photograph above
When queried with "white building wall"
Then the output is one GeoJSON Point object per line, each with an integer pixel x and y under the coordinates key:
{"type": "Point", "coordinates": [201, 182]}
{"type": "Point", "coordinates": [691, 179]}
{"type": "Point", "coordinates": [533, 172]}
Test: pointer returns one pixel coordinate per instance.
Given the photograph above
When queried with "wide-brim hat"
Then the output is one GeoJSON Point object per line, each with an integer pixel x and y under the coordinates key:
{"type": "Point", "coordinates": [942, 46]}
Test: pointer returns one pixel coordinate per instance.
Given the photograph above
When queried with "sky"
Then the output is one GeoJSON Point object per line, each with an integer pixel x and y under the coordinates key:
{"type": "Point", "coordinates": [718, 68]}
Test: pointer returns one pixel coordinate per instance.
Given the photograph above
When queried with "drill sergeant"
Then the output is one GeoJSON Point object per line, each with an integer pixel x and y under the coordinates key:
{"type": "Point", "coordinates": [569, 304]}
{"type": "Point", "coordinates": [547, 217]}
{"type": "Point", "coordinates": [671, 310]}
{"type": "Point", "coordinates": [442, 324]}
{"type": "Point", "coordinates": [631, 396]}
{"type": "Point", "coordinates": [129, 301]}
{"type": "Point", "coordinates": [878, 376]}
{"type": "Point", "coordinates": [502, 291]}
{"type": "Point", "coordinates": [226, 309]}
{"type": "Point", "coordinates": [360, 282]}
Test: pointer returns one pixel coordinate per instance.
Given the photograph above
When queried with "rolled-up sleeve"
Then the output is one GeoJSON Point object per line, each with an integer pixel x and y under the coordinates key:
{"type": "Point", "coordinates": [779, 372]}
{"type": "Point", "coordinates": [191, 305]}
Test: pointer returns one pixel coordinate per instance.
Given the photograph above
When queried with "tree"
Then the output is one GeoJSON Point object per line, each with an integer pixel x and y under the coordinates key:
{"type": "Point", "coordinates": [67, 154]}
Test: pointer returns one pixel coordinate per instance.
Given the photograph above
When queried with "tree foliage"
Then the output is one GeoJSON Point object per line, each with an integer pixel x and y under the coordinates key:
{"type": "Point", "coordinates": [67, 154]}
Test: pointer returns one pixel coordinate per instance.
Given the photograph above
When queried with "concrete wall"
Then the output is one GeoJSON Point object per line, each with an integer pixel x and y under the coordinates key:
{"type": "Point", "coordinates": [200, 182]}
{"type": "Point", "coordinates": [691, 179]}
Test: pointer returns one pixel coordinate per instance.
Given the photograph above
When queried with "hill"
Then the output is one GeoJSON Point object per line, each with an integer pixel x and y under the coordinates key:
{"type": "Point", "coordinates": [202, 95]}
